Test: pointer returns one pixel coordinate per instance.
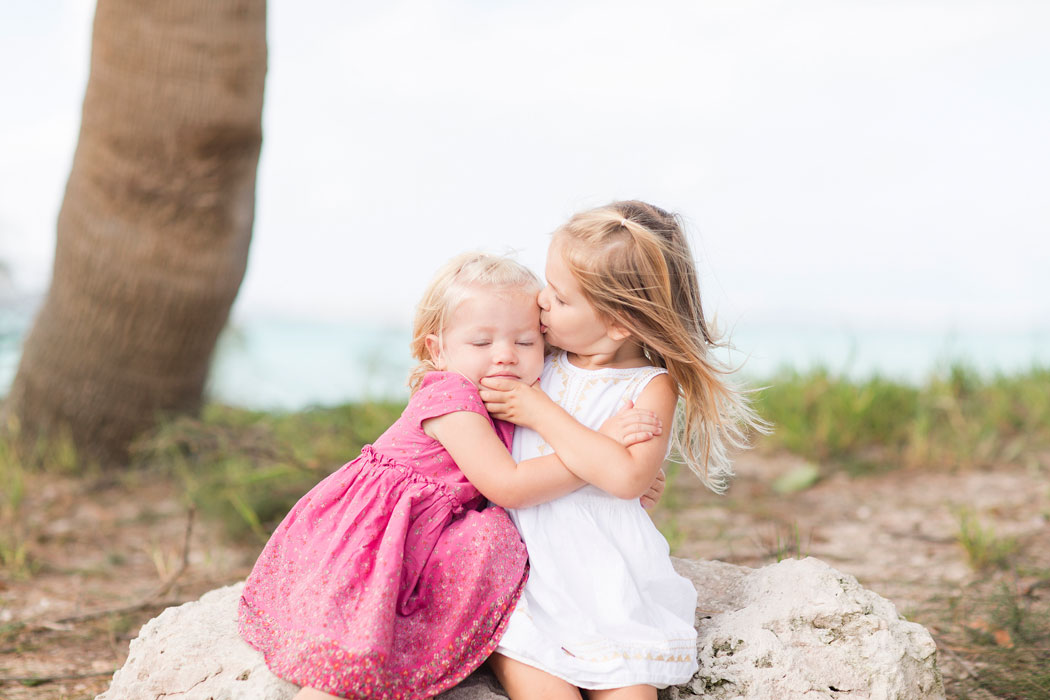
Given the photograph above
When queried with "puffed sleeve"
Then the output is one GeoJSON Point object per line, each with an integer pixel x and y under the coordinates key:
{"type": "Point", "coordinates": [442, 393]}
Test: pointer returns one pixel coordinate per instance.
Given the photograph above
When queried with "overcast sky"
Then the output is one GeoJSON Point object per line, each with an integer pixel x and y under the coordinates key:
{"type": "Point", "coordinates": [875, 163]}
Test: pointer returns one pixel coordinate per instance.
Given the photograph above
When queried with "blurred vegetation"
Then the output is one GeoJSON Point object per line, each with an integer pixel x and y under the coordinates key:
{"type": "Point", "coordinates": [247, 468]}
{"type": "Point", "coordinates": [14, 549]}
{"type": "Point", "coordinates": [984, 548]}
{"type": "Point", "coordinates": [956, 419]}
{"type": "Point", "coordinates": [56, 454]}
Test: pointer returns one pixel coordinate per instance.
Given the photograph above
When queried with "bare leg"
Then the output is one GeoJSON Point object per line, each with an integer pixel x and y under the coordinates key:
{"type": "Point", "coordinates": [631, 692]}
{"type": "Point", "coordinates": [523, 682]}
{"type": "Point", "coordinates": [313, 694]}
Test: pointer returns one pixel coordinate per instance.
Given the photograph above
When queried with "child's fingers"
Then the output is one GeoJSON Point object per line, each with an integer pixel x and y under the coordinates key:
{"type": "Point", "coordinates": [656, 489]}
{"type": "Point", "coordinates": [633, 428]}
{"type": "Point", "coordinates": [499, 383]}
{"type": "Point", "coordinates": [651, 497]}
{"type": "Point", "coordinates": [497, 410]}
{"type": "Point", "coordinates": [644, 421]}
{"type": "Point", "coordinates": [636, 437]}
{"type": "Point", "coordinates": [642, 413]}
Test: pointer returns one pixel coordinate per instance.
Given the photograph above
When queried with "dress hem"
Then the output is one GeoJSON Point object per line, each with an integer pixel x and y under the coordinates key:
{"type": "Point", "coordinates": [275, 655]}
{"type": "Point", "coordinates": [658, 683]}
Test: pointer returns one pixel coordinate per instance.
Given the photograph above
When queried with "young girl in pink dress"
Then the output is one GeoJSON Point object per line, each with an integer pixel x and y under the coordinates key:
{"type": "Point", "coordinates": [389, 579]}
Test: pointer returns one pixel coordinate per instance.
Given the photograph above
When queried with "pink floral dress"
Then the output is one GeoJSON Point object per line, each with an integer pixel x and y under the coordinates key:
{"type": "Point", "coordinates": [389, 579]}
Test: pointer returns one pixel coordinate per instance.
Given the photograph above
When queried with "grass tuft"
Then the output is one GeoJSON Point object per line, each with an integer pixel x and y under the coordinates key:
{"type": "Point", "coordinates": [984, 549]}
{"type": "Point", "coordinates": [957, 418]}
{"type": "Point", "coordinates": [785, 542]}
{"type": "Point", "coordinates": [248, 468]}
{"type": "Point", "coordinates": [15, 560]}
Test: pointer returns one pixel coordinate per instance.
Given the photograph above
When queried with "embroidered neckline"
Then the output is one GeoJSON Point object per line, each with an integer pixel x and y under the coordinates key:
{"type": "Point", "coordinates": [562, 360]}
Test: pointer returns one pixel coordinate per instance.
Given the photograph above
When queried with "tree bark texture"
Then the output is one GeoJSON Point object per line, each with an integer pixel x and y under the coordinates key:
{"type": "Point", "coordinates": [155, 224]}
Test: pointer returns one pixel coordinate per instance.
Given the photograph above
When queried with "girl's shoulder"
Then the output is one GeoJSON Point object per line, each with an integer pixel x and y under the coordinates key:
{"type": "Point", "coordinates": [441, 393]}
{"type": "Point", "coordinates": [446, 385]}
{"type": "Point", "coordinates": [446, 381]}
{"type": "Point", "coordinates": [444, 392]}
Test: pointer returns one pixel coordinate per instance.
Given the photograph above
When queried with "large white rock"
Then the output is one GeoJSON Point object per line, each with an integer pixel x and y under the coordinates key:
{"type": "Point", "coordinates": [797, 629]}
{"type": "Point", "coordinates": [801, 629]}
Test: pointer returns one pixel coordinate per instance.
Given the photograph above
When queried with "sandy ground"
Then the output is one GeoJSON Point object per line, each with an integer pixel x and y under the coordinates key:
{"type": "Point", "coordinates": [119, 545]}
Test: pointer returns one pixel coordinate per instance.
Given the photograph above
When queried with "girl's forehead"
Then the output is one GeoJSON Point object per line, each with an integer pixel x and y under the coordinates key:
{"type": "Point", "coordinates": [559, 269]}
{"type": "Point", "coordinates": [504, 294]}
{"type": "Point", "coordinates": [561, 251]}
{"type": "Point", "coordinates": [495, 298]}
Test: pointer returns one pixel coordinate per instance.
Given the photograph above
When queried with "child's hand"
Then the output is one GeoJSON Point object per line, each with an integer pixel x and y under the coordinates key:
{"type": "Point", "coordinates": [656, 490]}
{"type": "Point", "coordinates": [631, 425]}
{"type": "Point", "coordinates": [514, 401]}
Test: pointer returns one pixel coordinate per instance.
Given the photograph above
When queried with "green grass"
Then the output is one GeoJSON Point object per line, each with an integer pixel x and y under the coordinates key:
{"type": "Point", "coordinates": [984, 549]}
{"type": "Point", "coordinates": [786, 543]}
{"type": "Point", "coordinates": [14, 541]}
{"type": "Point", "coordinates": [957, 418]}
{"type": "Point", "coordinates": [55, 454]}
{"type": "Point", "coordinates": [247, 468]}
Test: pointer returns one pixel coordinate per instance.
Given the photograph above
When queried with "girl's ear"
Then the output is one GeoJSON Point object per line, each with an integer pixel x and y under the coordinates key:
{"type": "Point", "coordinates": [617, 332]}
{"type": "Point", "coordinates": [433, 345]}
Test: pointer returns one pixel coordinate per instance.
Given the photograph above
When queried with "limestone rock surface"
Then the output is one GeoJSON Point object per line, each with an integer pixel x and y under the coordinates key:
{"type": "Point", "coordinates": [801, 629]}
{"type": "Point", "coordinates": [796, 629]}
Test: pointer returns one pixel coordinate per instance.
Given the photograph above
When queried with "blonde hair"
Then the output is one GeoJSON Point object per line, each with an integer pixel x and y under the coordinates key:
{"type": "Point", "coordinates": [634, 265]}
{"type": "Point", "coordinates": [450, 286]}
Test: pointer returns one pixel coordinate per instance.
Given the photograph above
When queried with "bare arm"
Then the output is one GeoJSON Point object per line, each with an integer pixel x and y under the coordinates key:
{"type": "Point", "coordinates": [485, 461]}
{"type": "Point", "coordinates": [625, 472]}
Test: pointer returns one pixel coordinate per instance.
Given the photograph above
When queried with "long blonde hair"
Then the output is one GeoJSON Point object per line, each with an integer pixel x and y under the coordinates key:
{"type": "Point", "coordinates": [634, 265]}
{"type": "Point", "coordinates": [450, 286]}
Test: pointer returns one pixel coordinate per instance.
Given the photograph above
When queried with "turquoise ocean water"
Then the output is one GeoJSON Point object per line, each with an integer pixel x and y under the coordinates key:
{"type": "Point", "coordinates": [292, 364]}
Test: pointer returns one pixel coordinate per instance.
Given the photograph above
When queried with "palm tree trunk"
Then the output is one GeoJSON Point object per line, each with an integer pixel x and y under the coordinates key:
{"type": "Point", "coordinates": [154, 228]}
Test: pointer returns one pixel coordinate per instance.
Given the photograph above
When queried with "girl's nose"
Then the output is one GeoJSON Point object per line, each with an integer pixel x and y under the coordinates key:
{"type": "Point", "coordinates": [544, 299]}
{"type": "Point", "coordinates": [504, 354]}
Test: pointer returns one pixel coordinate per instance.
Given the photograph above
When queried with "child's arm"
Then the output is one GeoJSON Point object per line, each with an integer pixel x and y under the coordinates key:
{"type": "Point", "coordinates": [624, 472]}
{"type": "Point", "coordinates": [484, 460]}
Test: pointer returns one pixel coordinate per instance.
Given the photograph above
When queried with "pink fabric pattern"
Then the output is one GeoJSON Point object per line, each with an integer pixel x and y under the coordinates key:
{"type": "Point", "coordinates": [389, 579]}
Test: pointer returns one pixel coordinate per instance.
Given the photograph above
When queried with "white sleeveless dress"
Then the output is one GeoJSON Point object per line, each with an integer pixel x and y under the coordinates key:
{"type": "Point", "coordinates": [603, 607]}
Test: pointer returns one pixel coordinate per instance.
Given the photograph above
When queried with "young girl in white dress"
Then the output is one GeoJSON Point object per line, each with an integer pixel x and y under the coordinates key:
{"type": "Point", "coordinates": [603, 609]}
